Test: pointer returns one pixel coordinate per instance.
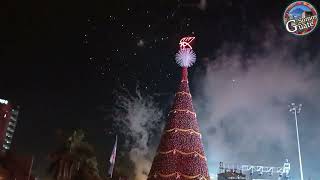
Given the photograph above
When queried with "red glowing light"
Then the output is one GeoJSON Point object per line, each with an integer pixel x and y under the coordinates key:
{"type": "Point", "coordinates": [185, 42]}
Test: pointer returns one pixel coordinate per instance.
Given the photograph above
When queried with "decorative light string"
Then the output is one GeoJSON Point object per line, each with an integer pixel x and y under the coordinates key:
{"type": "Point", "coordinates": [183, 93]}
{"type": "Point", "coordinates": [191, 131]}
{"type": "Point", "coordinates": [183, 110]}
{"type": "Point", "coordinates": [178, 175]}
{"type": "Point", "coordinates": [174, 151]}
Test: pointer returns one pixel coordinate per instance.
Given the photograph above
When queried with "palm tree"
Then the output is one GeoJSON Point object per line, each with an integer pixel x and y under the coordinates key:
{"type": "Point", "coordinates": [75, 160]}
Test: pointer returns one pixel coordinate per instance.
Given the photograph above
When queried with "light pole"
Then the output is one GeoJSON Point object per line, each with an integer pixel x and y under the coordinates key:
{"type": "Point", "coordinates": [295, 109]}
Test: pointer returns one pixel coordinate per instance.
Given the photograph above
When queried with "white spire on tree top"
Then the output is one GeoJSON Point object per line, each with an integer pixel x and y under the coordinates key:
{"type": "Point", "coordinates": [186, 56]}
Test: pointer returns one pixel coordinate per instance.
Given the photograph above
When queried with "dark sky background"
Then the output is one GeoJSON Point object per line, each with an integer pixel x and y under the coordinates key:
{"type": "Point", "coordinates": [62, 60]}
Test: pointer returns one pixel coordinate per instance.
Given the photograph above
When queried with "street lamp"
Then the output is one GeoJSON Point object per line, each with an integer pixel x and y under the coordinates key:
{"type": "Point", "coordinates": [295, 109]}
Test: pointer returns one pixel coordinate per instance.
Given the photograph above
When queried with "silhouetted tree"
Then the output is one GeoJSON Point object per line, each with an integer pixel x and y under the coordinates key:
{"type": "Point", "coordinates": [75, 160]}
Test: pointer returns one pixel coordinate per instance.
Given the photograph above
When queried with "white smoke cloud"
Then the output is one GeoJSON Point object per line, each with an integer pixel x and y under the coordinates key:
{"type": "Point", "coordinates": [242, 104]}
{"type": "Point", "coordinates": [138, 117]}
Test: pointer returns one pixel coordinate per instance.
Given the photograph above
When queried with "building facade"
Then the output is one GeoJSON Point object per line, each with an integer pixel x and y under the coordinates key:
{"type": "Point", "coordinates": [8, 122]}
{"type": "Point", "coordinates": [16, 167]}
{"type": "Point", "coordinates": [231, 175]}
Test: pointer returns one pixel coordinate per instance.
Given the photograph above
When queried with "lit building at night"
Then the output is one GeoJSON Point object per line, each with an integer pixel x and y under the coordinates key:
{"type": "Point", "coordinates": [231, 174]}
{"type": "Point", "coordinates": [8, 122]}
{"type": "Point", "coordinates": [12, 165]}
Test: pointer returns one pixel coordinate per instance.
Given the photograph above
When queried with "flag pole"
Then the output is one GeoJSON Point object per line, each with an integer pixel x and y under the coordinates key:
{"type": "Point", "coordinates": [112, 159]}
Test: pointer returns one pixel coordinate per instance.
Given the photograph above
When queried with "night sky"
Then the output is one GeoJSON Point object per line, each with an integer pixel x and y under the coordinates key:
{"type": "Point", "coordinates": [61, 61]}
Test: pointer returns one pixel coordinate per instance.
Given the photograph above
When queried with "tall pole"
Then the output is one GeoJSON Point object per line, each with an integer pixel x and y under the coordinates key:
{"type": "Point", "coordinates": [29, 175]}
{"type": "Point", "coordinates": [295, 109]}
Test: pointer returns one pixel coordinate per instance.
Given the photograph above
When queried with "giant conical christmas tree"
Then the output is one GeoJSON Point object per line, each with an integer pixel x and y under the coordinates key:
{"type": "Point", "coordinates": [180, 154]}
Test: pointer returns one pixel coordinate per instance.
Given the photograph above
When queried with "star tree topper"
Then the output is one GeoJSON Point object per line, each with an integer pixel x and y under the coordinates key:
{"type": "Point", "coordinates": [186, 56]}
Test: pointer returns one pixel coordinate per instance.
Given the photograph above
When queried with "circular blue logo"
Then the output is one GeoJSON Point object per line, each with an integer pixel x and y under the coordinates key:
{"type": "Point", "coordinates": [300, 18]}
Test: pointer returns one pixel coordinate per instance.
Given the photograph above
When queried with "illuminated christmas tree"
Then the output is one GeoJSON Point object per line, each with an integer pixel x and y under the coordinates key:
{"type": "Point", "coordinates": [180, 154]}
